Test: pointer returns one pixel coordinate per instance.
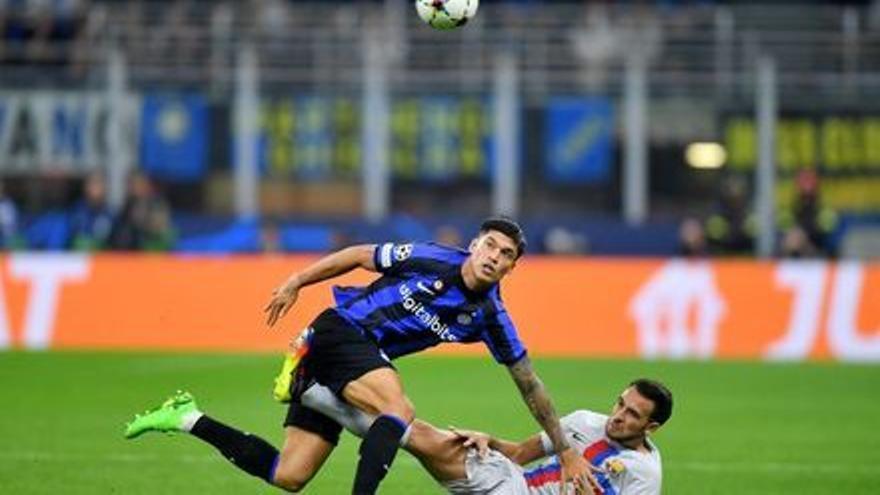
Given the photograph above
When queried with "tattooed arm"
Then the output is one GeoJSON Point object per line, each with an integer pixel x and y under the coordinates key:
{"type": "Point", "coordinates": [535, 396]}
{"type": "Point", "coordinates": [574, 467]}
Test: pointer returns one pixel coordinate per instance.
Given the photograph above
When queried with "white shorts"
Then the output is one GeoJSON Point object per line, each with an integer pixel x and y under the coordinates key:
{"type": "Point", "coordinates": [495, 475]}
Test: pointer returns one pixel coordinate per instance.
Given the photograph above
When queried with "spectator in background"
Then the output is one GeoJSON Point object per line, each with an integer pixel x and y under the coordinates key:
{"type": "Point", "coordinates": [596, 45]}
{"type": "Point", "coordinates": [38, 32]}
{"type": "Point", "coordinates": [692, 239]}
{"type": "Point", "coordinates": [222, 29]}
{"type": "Point", "coordinates": [10, 238]}
{"type": "Point", "coordinates": [173, 41]}
{"type": "Point", "coordinates": [796, 244]}
{"type": "Point", "coordinates": [807, 225]}
{"type": "Point", "coordinates": [145, 220]}
{"type": "Point", "coordinates": [274, 21]}
{"type": "Point", "coordinates": [91, 220]}
{"type": "Point", "coordinates": [95, 22]}
{"type": "Point", "coordinates": [731, 230]}
{"type": "Point", "coordinates": [41, 48]}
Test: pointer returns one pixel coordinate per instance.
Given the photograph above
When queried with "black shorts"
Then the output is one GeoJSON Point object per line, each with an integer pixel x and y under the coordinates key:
{"type": "Point", "coordinates": [338, 353]}
{"type": "Point", "coordinates": [304, 418]}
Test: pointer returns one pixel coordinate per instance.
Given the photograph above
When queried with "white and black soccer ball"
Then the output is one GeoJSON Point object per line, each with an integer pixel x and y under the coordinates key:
{"type": "Point", "coordinates": [446, 14]}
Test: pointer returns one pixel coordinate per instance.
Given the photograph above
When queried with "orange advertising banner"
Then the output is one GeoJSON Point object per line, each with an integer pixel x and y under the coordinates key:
{"type": "Point", "coordinates": [653, 308]}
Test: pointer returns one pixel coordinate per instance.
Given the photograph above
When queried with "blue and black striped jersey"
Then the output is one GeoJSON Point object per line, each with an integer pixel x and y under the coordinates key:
{"type": "Point", "coordinates": [421, 300]}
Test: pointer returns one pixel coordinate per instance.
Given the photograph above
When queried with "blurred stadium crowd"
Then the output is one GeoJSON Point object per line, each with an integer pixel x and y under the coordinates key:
{"type": "Point", "coordinates": [188, 47]}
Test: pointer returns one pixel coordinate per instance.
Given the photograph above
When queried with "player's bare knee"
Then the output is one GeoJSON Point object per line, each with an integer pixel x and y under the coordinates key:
{"type": "Point", "coordinates": [289, 475]}
{"type": "Point", "coordinates": [290, 481]}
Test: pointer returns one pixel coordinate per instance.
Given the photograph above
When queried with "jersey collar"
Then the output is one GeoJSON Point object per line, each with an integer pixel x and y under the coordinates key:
{"type": "Point", "coordinates": [457, 280]}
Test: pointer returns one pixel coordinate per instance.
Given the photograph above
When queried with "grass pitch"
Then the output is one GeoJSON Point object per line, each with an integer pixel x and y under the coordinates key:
{"type": "Point", "coordinates": [736, 428]}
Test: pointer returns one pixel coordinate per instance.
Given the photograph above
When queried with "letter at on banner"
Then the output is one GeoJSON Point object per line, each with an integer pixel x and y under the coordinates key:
{"type": "Point", "coordinates": [845, 340]}
{"type": "Point", "coordinates": [46, 274]}
{"type": "Point", "coordinates": [806, 279]}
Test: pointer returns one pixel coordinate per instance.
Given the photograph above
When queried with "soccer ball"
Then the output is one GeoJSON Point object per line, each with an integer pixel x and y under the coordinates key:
{"type": "Point", "coordinates": [446, 14]}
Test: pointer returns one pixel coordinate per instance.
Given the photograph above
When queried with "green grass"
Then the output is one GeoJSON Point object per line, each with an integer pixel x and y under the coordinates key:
{"type": "Point", "coordinates": [737, 427]}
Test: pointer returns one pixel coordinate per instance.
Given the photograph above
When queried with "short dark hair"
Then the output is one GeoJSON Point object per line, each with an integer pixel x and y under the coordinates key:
{"type": "Point", "coordinates": [657, 393]}
{"type": "Point", "coordinates": [508, 227]}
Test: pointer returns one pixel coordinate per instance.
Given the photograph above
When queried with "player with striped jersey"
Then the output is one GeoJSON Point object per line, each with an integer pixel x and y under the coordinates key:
{"type": "Point", "coordinates": [427, 294]}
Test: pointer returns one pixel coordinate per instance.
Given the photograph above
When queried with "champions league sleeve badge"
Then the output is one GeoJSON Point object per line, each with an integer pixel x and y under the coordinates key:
{"type": "Point", "coordinates": [402, 252]}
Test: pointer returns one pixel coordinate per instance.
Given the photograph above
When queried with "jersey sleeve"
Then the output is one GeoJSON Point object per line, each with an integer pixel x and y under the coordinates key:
{"type": "Point", "coordinates": [393, 258]}
{"type": "Point", "coordinates": [502, 340]}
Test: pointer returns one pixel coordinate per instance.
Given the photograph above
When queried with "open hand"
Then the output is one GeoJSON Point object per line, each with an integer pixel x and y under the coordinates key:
{"type": "Point", "coordinates": [577, 472]}
{"type": "Point", "coordinates": [282, 300]}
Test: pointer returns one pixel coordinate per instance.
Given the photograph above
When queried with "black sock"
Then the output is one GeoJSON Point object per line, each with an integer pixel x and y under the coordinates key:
{"type": "Point", "coordinates": [377, 453]}
{"type": "Point", "coordinates": [248, 452]}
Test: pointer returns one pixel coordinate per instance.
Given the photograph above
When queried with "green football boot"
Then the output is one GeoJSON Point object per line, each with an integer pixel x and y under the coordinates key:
{"type": "Point", "coordinates": [283, 381]}
{"type": "Point", "coordinates": [168, 417]}
{"type": "Point", "coordinates": [281, 390]}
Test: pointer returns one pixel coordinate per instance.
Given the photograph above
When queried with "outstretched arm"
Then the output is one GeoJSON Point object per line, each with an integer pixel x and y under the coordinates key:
{"type": "Point", "coordinates": [329, 266]}
{"type": "Point", "coordinates": [574, 467]}
{"type": "Point", "coordinates": [540, 405]}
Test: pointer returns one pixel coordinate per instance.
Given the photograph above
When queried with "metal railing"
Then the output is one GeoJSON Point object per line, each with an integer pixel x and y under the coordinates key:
{"type": "Point", "coordinates": [561, 48]}
{"type": "Point", "coordinates": [701, 61]}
